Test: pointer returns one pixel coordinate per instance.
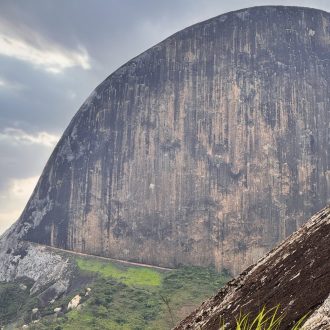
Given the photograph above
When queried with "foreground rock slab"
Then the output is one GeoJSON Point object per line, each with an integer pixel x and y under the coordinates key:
{"type": "Point", "coordinates": [295, 275]}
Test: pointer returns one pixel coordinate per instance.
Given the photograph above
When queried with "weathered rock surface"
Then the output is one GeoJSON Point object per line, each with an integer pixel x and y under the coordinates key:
{"type": "Point", "coordinates": [50, 271]}
{"type": "Point", "coordinates": [207, 149]}
{"type": "Point", "coordinates": [74, 302]}
{"type": "Point", "coordinates": [296, 276]}
{"type": "Point", "coordinates": [320, 319]}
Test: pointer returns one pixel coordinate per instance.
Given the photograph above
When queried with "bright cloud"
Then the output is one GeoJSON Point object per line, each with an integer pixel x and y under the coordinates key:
{"type": "Point", "coordinates": [22, 188]}
{"type": "Point", "coordinates": [47, 56]}
{"type": "Point", "coordinates": [14, 199]}
{"type": "Point", "coordinates": [18, 136]}
{"type": "Point", "coordinates": [4, 83]}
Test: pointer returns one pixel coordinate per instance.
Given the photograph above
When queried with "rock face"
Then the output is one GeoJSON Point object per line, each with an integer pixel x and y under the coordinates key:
{"type": "Point", "coordinates": [51, 272]}
{"type": "Point", "coordinates": [296, 276]}
{"type": "Point", "coordinates": [320, 319]}
{"type": "Point", "coordinates": [207, 149]}
{"type": "Point", "coordinates": [74, 303]}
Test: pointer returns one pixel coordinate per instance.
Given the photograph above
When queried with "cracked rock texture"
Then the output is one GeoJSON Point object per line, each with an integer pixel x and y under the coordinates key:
{"type": "Point", "coordinates": [207, 149]}
{"type": "Point", "coordinates": [320, 319]}
{"type": "Point", "coordinates": [295, 276]}
{"type": "Point", "coordinates": [51, 272]}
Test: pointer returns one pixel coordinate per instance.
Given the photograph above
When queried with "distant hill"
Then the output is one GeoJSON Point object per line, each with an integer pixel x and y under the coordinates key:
{"type": "Point", "coordinates": [208, 149]}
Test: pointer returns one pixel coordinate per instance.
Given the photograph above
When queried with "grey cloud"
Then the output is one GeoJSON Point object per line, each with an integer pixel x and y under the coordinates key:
{"type": "Point", "coordinates": [43, 102]}
{"type": "Point", "coordinates": [21, 161]}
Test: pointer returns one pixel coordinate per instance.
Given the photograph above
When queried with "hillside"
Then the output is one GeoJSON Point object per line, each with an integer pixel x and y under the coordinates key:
{"type": "Point", "coordinates": [114, 295]}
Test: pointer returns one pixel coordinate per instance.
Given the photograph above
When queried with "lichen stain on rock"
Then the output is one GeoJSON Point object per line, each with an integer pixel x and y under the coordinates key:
{"type": "Point", "coordinates": [227, 121]}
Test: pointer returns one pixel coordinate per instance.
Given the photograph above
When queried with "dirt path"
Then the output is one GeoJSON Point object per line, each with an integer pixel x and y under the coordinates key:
{"type": "Point", "coordinates": [100, 258]}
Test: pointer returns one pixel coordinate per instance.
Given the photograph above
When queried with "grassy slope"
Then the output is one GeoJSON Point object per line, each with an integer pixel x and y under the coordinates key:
{"type": "Point", "coordinates": [127, 297]}
{"type": "Point", "coordinates": [14, 300]}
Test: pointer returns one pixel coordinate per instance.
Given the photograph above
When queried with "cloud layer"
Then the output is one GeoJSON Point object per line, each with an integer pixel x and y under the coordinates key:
{"type": "Point", "coordinates": [14, 198]}
{"type": "Point", "coordinates": [47, 57]}
{"type": "Point", "coordinates": [19, 137]}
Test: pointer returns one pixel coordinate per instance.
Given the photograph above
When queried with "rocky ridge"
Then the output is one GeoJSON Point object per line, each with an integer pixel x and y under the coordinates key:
{"type": "Point", "coordinates": [50, 271]}
{"type": "Point", "coordinates": [295, 276]}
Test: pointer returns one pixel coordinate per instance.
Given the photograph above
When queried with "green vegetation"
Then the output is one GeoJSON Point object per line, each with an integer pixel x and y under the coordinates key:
{"type": "Point", "coordinates": [15, 300]}
{"type": "Point", "coordinates": [138, 276]}
{"type": "Point", "coordinates": [266, 320]}
{"type": "Point", "coordinates": [125, 297]}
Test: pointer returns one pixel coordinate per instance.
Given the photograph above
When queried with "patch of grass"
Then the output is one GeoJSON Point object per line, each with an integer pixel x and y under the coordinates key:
{"type": "Point", "coordinates": [265, 320]}
{"type": "Point", "coordinates": [137, 276]}
{"type": "Point", "coordinates": [14, 301]}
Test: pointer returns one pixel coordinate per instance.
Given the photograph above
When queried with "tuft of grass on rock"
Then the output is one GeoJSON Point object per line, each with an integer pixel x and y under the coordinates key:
{"type": "Point", "coordinates": [269, 319]}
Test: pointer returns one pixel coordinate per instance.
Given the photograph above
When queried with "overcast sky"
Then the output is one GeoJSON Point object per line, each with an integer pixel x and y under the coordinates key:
{"type": "Point", "coordinates": [54, 53]}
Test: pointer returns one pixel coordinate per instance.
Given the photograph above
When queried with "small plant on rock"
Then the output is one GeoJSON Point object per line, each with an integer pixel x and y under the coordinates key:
{"type": "Point", "coordinates": [265, 320]}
